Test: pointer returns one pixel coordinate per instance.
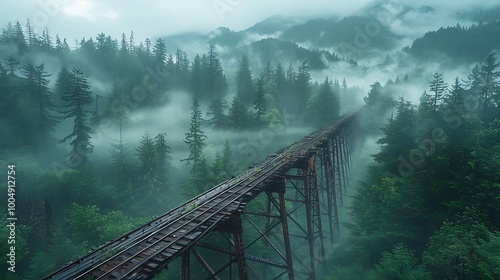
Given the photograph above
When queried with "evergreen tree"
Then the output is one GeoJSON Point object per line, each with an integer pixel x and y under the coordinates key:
{"type": "Point", "coordinates": [375, 96]}
{"type": "Point", "coordinates": [33, 42]}
{"type": "Point", "coordinates": [195, 137]}
{"type": "Point", "coordinates": [490, 88]}
{"type": "Point", "coordinates": [59, 46]}
{"type": "Point", "coordinates": [147, 176]}
{"type": "Point", "coordinates": [244, 83]}
{"type": "Point", "coordinates": [124, 46]}
{"type": "Point", "coordinates": [63, 80]}
{"type": "Point", "coordinates": [163, 151]}
{"type": "Point", "coordinates": [181, 76]}
{"type": "Point", "coordinates": [227, 154]}
{"type": "Point", "coordinates": [159, 55]}
{"type": "Point", "coordinates": [270, 85]}
{"type": "Point", "coordinates": [77, 98]}
{"type": "Point", "coordinates": [131, 43]}
{"type": "Point", "coordinates": [170, 69]}
{"type": "Point", "coordinates": [399, 137]}
{"type": "Point", "coordinates": [12, 64]}
{"type": "Point", "coordinates": [37, 81]}
{"type": "Point", "coordinates": [222, 168]}
{"type": "Point", "coordinates": [427, 118]}
{"type": "Point", "coordinates": [216, 85]}
{"type": "Point", "coordinates": [88, 48]}
{"type": "Point", "coordinates": [437, 91]}
{"type": "Point", "coordinates": [7, 33]}
{"type": "Point", "coordinates": [120, 164]}
{"type": "Point", "coordinates": [197, 78]}
{"type": "Point", "coordinates": [259, 103]}
{"type": "Point", "coordinates": [303, 88]}
{"type": "Point", "coordinates": [473, 85]}
{"type": "Point", "coordinates": [345, 88]}
{"type": "Point", "coordinates": [46, 41]}
{"type": "Point", "coordinates": [268, 74]}
{"type": "Point", "coordinates": [201, 177]}
{"type": "Point", "coordinates": [290, 89]}
{"type": "Point", "coordinates": [455, 98]}
{"type": "Point", "coordinates": [400, 264]}
{"type": "Point", "coordinates": [238, 118]}
{"type": "Point", "coordinates": [216, 111]}
{"type": "Point", "coordinates": [19, 38]}
{"type": "Point", "coordinates": [106, 51]}
{"type": "Point", "coordinates": [144, 52]}
{"type": "Point", "coordinates": [13, 35]}
{"type": "Point", "coordinates": [280, 78]}
{"type": "Point", "coordinates": [324, 107]}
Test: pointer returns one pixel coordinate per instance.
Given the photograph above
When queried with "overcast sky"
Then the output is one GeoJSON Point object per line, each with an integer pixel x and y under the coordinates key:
{"type": "Point", "coordinates": [85, 18]}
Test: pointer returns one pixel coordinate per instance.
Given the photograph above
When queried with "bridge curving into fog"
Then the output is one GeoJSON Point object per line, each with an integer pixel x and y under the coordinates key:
{"type": "Point", "coordinates": [289, 199]}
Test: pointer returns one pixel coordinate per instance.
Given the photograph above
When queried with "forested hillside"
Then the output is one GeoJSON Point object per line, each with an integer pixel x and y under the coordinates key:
{"type": "Point", "coordinates": [104, 133]}
{"type": "Point", "coordinates": [58, 102]}
{"type": "Point", "coordinates": [458, 44]}
{"type": "Point", "coordinates": [429, 206]}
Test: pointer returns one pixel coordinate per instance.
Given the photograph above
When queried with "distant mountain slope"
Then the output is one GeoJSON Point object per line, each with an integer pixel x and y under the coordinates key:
{"type": "Point", "coordinates": [225, 37]}
{"type": "Point", "coordinates": [276, 50]}
{"type": "Point", "coordinates": [380, 28]}
{"type": "Point", "coordinates": [492, 14]}
{"type": "Point", "coordinates": [350, 30]}
{"type": "Point", "coordinates": [457, 43]}
{"type": "Point", "coordinates": [273, 25]}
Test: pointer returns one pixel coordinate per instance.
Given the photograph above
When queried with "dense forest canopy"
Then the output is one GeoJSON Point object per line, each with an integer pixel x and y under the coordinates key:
{"type": "Point", "coordinates": [85, 124]}
{"type": "Point", "coordinates": [52, 118]}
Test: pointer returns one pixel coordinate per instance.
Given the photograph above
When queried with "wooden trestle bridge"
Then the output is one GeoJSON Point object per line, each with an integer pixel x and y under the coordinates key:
{"type": "Point", "coordinates": [298, 189]}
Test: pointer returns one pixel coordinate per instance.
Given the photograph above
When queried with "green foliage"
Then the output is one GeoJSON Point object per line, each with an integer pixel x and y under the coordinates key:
{"type": "Point", "coordinates": [148, 174]}
{"type": "Point", "coordinates": [474, 43]}
{"type": "Point", "coordinates": [77, 96]}
{"type": "Point", "coordinates": [303, 88]}
{"type": "Point", "coordinates": [259, 103]}
{"type": "Point", "coordinates": [238, 115]}
{"type": "Point", "coordinates": [489, 257]}
{"type": "Point", "coordinates": [223, 166]}
{"type": "Point", "coordinates": [62, 250]}
{"type": "Point", "coordinates": [323, 107]}
{"type": "Point", "coordinates": [121, 164]}
{"type": "Point", "coordinates": [489, 92]}
{"type": "Point", "coordinates": [215, 88]}
{"type": "Point", "coordinates": [195, 137]}
{"type": "Point", "coordinates": [86, 229]}
{"type": "Point", "coordinates": [216, 112]}
{"type": "Point", "coordinates": [400, 264]}
{"type": "Point", "coordinates": [437, 87]}
{"type": "Point", "coordinates": [452, 251]}
{"type": "Point", "coordinates": [38, 93]}
{"type": "Point", "coordinates": [160, 54]}
{"type": "Point", "coordinates": [434, 189]}
{"type": "Point", "coordinates": [378, 99]}
{"type": "Point", "coordinates": [197, 79]}
{"type": "Point", "coordinates": [280, 50]}
{"type": "Point", "coordinates": [398, 138]}
{"type": "Point", "coordinates": [87, 225]}
{"type": "Point", "coordinates": [163, 155]}
{"type": "Point", "coordinates": [244, 83]}
{"type": "Point", "coordinates": [201, 178]}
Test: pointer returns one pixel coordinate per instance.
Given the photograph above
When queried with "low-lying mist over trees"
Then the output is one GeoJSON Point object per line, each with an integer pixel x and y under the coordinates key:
{"type": "Point", "coordinates": [107, 132]}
